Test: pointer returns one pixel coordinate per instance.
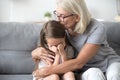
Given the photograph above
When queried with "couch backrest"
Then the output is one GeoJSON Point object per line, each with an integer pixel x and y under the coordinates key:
{"type": "Point", "coordinates": [113, 35]}
{"type": "Point", "coordinates": [17, 40]}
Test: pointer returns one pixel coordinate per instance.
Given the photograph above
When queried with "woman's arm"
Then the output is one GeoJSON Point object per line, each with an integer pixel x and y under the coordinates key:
{"type": "Point", "coordinates": [86, 53]}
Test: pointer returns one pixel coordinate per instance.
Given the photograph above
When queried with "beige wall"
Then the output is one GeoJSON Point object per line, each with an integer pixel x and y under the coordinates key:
{"type": "Point", "coordinates": [102, 9]}
{"type": "Point", "coordinates": [33, 10]}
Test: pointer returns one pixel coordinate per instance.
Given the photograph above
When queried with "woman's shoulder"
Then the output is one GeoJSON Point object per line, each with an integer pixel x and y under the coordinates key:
{"type": "Point", "coordinates": [95, 24]}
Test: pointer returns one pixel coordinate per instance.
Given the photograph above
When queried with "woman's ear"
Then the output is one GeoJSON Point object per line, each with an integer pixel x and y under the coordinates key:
{"type": "Point", "coordinates": [77, 18]}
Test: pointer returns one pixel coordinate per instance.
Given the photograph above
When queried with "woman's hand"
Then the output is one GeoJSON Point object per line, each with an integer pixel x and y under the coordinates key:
{"type": "Point", "coordinates": [41, 53]}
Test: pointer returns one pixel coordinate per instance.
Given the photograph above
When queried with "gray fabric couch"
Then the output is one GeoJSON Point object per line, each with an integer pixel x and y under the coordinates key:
{"type": "Point", "coordinates": [17, 40]}
{"type": "Point", "coordinates": [113, 35]}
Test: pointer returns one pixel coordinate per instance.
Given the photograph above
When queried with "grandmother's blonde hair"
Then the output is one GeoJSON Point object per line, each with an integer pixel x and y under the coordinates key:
{"type": "Point", "coordinates": [79, 8]}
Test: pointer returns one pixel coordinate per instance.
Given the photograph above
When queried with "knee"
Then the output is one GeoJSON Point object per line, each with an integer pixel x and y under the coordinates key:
{"type": "Point", "coordinates": [93, 72]}
{"type": "Point", "coordinates": [69, 76]}
{"type": "Point", "coordinates": [55, 77]}
{"type": "Point", "coordinates": [112, 75]}
{"type": "Point", "coordinates": [113, 72]}
{"type": "Point", "coordinates": [113, 69]}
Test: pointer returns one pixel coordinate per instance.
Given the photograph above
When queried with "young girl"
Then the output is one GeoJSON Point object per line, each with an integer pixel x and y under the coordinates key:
{"type": "Point", "coordinates": [53, 38]}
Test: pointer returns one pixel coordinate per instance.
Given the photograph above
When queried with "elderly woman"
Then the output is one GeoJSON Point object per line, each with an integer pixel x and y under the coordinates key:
{"type": "Point", "coordinates": [95, 59]}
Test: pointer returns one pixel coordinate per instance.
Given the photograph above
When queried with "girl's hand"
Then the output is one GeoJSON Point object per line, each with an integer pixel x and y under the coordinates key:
{"type": "Point", "coordinates": [54, 49]}
{"type": "Point", "coordinates": [61, 48]}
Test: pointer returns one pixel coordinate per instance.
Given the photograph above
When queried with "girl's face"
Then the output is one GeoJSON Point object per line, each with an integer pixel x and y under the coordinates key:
{"type": "Point", "coordinates": [68, 19]}
{"type": "Point", "coordinates": [54, 42]}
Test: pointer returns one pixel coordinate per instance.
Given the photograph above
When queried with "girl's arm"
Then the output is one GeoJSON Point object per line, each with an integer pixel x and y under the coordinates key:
{"type": "Point", "coordinates": [57, 60]}
{"type": "Point", "coordinates": [57, 55]}
{"type": "Point", "coordinates": [62, 52]}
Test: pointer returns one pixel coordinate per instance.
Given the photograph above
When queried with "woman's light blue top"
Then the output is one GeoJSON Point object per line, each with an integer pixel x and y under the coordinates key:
{"type": "Point", "coordinates": [95, 34]}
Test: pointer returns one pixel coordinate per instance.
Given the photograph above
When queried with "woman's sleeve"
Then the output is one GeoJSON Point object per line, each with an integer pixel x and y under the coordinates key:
{"type": "Point", "coordinates": [98, 35]}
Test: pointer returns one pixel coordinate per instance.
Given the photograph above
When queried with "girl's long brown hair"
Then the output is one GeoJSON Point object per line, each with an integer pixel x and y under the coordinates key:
{"type": "Point", "coordinates": [51, 29]}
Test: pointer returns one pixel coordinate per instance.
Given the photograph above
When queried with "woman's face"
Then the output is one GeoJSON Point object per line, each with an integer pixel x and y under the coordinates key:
{"type": "Point", "coordinates": [54, 42]}
{"type": "Point", "coordinates": [68, 19]}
